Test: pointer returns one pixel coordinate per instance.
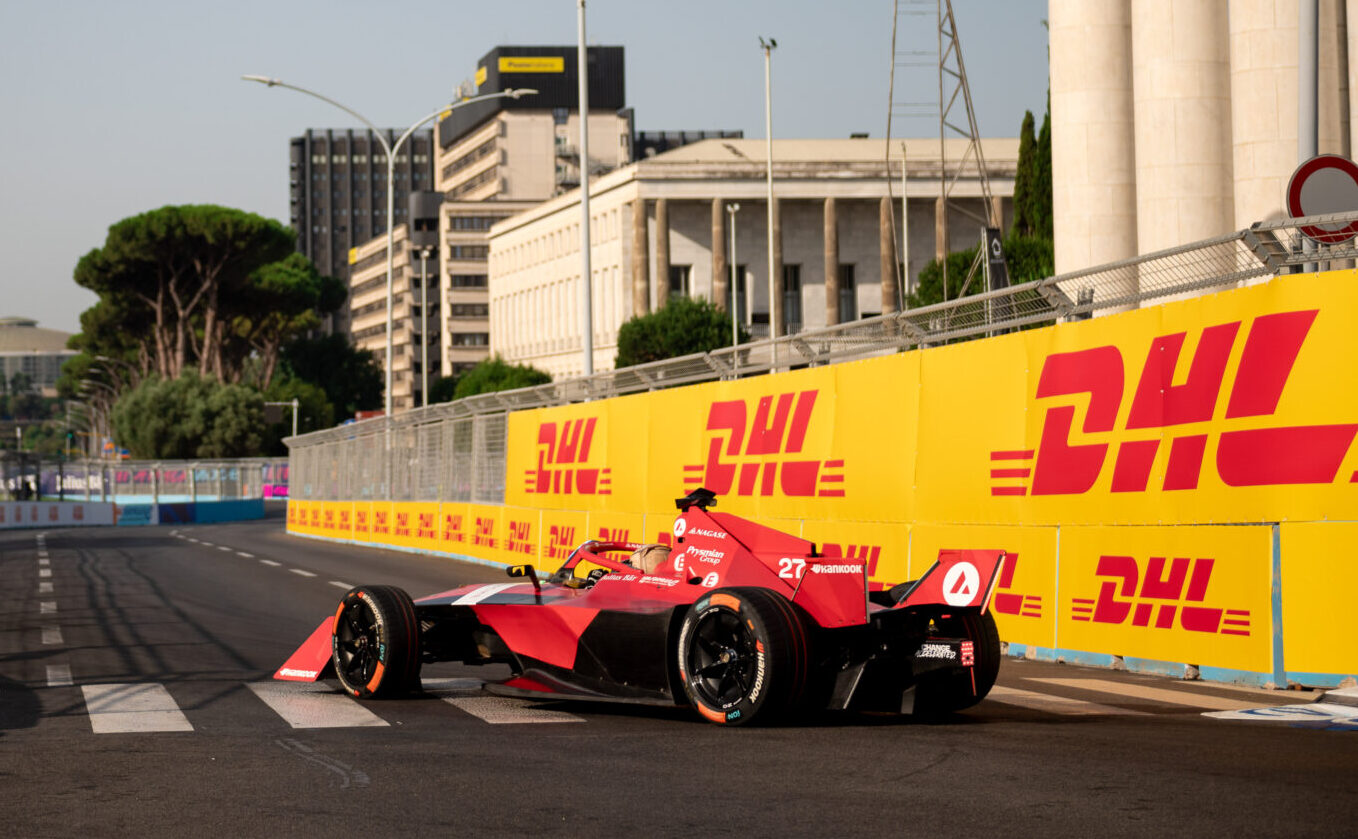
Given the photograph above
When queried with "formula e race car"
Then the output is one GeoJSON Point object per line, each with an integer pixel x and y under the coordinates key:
{"type": "Point", "coordinates": [742, 622]}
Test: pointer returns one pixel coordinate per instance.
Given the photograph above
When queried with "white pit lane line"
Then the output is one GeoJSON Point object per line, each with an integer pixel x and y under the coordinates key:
{"type": "Point", "coordinates": [339, 584]}
{"type": "Point", "coordinates": [299, 572]}
{"type": "Point", "coordinates": [270, 563]}
{"type": "Point", "coordinates": [223, 548]}
{"type": "Point", "coordinates": [307, 705]}
{"type": "Point", "coordinates": [244, 554]}
{"type": "Point", "coordinates": [122, 708]}
{"type": "Point", "coordinates": [467, 695]}
{"type": "Point", "coordinates": [59, 675]}
{"type": "Point", "coordinates": [51, 636]}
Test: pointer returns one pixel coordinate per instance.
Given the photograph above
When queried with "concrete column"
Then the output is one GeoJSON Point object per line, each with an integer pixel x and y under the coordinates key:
{"type": "Point", "coordinates": [721, 274]}
{"type": "Point", "coordinates": [1263, 40]}
{"type": "Point", "coordinates": [777, 326]}
{"type": "Point", "coordinates": [1335, 113]}
{"type": "Point", "coordinates": [641, 283]}
{"type": "Point", "coordinates": [662, 251]}
{"type": "Point", "coordinates": [886, 235]}
{"type": "Point", "coordinates": [831, 262]}
{"type": "Point", "coordinates": [1093, 140]}
{"type": "Point", "coordinates": [1182, 102]}
{"type": "Point", "coordinates": [1350, 68]}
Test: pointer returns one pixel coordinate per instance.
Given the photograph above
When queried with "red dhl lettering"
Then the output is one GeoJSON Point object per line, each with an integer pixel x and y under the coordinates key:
{"type": "Point", "coordinates": [520, 538]}
{"type": "Point", "coordinates": [760, 462]}
{"type": "Point", "coordinates": [562, 461]}
{"type": "Point", "coordinates": [1247, 457]}
{"type": "Point", "coordinates": [361, 524]}
{"type": "Point", "coordinates": [615, 534]}
{"type": "Point", "coordinates": [315, 517]}
{"type": "Point", "coordinates": [380, 525]}
{"type": "Point", "coordinates": [1161, 593]}
{"type": "Point", "coordinates": [453, 530]}
{"type": "Point", "coordinates": [402, 526]}
{"type": "Point", "coordinates": [329, 520]}
{"type": "Point", "coordinates": [483, 532]}
{"type": "Point", "coordinates": [424, 526]}
{"type": "Point", "coordinates": [345, 519]}
{"type": "Point", "coordinates": [560, 541]}
{"type": "Point", "coordinates": [1007, 602]}
{"type": "Point", "coordinates": [866, 553]}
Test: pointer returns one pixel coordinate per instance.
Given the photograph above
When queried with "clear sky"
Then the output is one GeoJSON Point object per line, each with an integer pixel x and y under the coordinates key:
{"type": "Point", "coordinates": [113, 108]}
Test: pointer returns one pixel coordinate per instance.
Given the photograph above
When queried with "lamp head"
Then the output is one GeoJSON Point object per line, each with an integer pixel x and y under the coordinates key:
{"type": "Point", "coordinates": [264, 80]}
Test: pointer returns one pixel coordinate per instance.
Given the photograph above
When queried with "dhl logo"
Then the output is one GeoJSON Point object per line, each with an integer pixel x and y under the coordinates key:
{"type": "Point", "coordinates": [520, 538]}
{"type": "Point", "coordinates": [345, 519]}
{"type": "Point", "coordinates": [328, 519]}
{"type": "Point", "coordinates": [758, 458]}
{"type": "Point", "coordinates": [560, 541]}
{"type": "Point", "coordinates": [402, 527]}
{"type": "Point", "coordinates": [1158, 589]}
{"type": "Point", "coordinates": [381, 524]}
{"type": "Point", "coordinates": [292, 514]}
{"type": "Point", "coordinates": [361, 521]}
{"type": "Point", "coordinates": [615, 534]}
{"type": "Point", "coordinates": [454, 529]}
{"type": "Point", "coordinates": [424, 526]}
{"type": "Point", "coordinates": [483, 532]}
{"type": "Point", "coordinates": [315, 516]}
{"type": "Point", "coordinates": [1245, 457]}
{"type": "Point", "coordinates": [562, 459]}
{"type": "Point", "coordinates": [1007, 602]}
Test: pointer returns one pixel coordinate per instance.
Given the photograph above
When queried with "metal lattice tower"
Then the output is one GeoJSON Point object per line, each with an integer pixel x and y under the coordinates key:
{"type": "Point", "coordinates": [911, 57]}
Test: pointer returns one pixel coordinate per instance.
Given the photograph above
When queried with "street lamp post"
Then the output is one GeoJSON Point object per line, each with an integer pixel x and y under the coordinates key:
{"type": "Point", "coordinates": [391, 149]}
{"type": "Point", "coordinates": [768, 47]}
{"type": "Point", "coordinates": [424, 325]}
{"type": "Point", "coordinates": [731, 210]}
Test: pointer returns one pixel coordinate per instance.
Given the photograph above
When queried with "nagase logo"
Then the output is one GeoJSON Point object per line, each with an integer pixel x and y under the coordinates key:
{"type": "Point", "coordinates": [562, 457]}
{"type": "Point", "coordinates": [1258, 456]}
{"type": "Point", "coordinates": [745, 458]}
{"type": "Point", "coordinates": [1161, 595]}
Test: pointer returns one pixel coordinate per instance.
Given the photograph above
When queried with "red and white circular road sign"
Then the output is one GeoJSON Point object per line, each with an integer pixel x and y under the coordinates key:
{"type": "Point", "coordinates": [1325, 184]}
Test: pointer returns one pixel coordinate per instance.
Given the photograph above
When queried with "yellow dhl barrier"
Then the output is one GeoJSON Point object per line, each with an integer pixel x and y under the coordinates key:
{"type": "Point", "coordinates": [1105, 454]}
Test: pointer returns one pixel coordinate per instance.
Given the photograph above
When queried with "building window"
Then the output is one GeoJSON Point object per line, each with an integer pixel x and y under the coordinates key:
{"type": "Point", "coordinates": [848, 294]}
{"type": "Point", "coordinates": [467, 280]}
{"type": "Point", "coordinates": [792, 298]}
{"type": "Point", "coordinates": [679, 280]}
{"type": "Point", "coordinates": [469, 310]}
{"type": "Point", "coordinates": [471, 339]}
{"type": "Point", "coordinates": [468, 251]}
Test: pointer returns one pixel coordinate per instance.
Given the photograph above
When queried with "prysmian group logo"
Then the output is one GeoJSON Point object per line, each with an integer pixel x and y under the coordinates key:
{"type": "Point", "coordinates": [1263, 455]}
{"type": "Point", "coordinates": [562, 461]}
{"type": "Point", "coordinates": [764, 456]}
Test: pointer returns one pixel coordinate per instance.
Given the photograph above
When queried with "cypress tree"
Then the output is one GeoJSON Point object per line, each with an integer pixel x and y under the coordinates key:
{"type": "Point", "coordinates": [1024, 178]}
{"type": "Point", "coordinates": [1042, 216]}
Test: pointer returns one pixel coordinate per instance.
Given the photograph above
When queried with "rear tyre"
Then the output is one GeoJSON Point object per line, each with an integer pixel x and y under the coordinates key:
{"type": "Point", "coordinates": [376, 650]}
{"type": "Point", "coordinates": [953, 691]}
{"type": "Point", "coordinates": [742, 656]}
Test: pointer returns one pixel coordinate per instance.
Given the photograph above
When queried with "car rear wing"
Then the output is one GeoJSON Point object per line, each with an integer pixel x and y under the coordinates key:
{"type": "Point", "coordinates": [960, 579]}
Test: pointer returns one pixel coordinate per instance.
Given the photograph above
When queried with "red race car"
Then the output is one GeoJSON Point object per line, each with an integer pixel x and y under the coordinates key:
{"type": "Point", "coordinates": [741, 621]}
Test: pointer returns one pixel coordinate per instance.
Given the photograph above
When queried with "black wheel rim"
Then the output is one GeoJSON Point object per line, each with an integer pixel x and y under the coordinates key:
{"type": "Point", "coordinates": [356, 643]}
{"type": "Point", "coordinates": [722, 659]}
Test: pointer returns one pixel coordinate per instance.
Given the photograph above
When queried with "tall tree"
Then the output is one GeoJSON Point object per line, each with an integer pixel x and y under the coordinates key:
{"type": "Point", "coordinates": [351, 377]}
{"type": "Point", "coordinates": [681, 327]}
{"type": "Point", "coordinates": [495, 374]}
{"type": "Point", "coordinates": [191, 416]}
{"type": "Point", "coordinates": [1042, 221]}
{"type": "Point", "coordinates": [1025, 177]}
{"type": "Point", "coordinates": [284, 299]}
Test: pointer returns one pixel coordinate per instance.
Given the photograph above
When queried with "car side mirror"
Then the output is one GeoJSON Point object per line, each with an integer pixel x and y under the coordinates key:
{"type": "Point", "coordinates": [528, 571]}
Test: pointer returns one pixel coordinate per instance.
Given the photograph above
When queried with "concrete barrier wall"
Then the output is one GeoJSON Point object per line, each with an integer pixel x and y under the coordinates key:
{"type": "Point", "coordinates": [1177, 483]}
{"type": "Point", "coordinates": [52, 514]}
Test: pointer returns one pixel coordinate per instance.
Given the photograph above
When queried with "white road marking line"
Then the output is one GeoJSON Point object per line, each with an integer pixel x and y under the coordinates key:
{"type": "Point", "coordinates": [466, 695]}
{"type": "Point", "coordinates": [270, 562]}
{"type": "Point", "coordinates": [1129, 690]}
{"type": "Point", "coordinates": [59, 676]}
{"type": "Point", "coordinates": [301, 573]}
{"type": "Point", "coordinates": [47, 607]}
{"type": "Point", "coordinates": [1062, 705]}
{"type": "Point", "coordinates": [116, 709]}
{"type": "Point", "coordinates": [195, 541]}
{"type": "Point", "coordinates": [42, 557]}
{"type": "Point", "coordinates": [338, 584]}
{"type": "Point", "coordinates": [244, 554]}
{"type": "Point", "coordinates": [1315, 712]}
{"type": "Point", "coordinates": [44, 588]}
{"type": "Point", "coordinates": [223, 548]}
{"type": "Point", "coordinates": [51, 635]}
{"type": "Point", "coordinates": [44, 572]}
{"type": "Point", "coordinates": [314, 705]}
{"type": "Point", "coordinates": [44, 562]}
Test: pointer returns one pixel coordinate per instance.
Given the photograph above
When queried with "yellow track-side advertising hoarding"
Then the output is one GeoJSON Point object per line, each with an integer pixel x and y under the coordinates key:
{"type": "Point", "coordinates": [1319, 578]}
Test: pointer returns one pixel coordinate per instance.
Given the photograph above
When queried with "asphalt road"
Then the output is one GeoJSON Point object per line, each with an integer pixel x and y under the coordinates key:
{"type": "Point", "coordinates": [197, 618]}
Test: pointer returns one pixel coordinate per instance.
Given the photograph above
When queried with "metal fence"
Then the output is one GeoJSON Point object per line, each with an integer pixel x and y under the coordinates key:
{"type": "Point", "coordinates": [29, 477]}
{"type": "Point", "coordinates": [455, 451]}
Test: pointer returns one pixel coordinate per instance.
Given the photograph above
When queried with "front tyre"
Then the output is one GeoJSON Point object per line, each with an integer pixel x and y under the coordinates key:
{"type": "Point", "coordinates": [376, 650]}
{"type": "Point", "coordinates": [742, 656]}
